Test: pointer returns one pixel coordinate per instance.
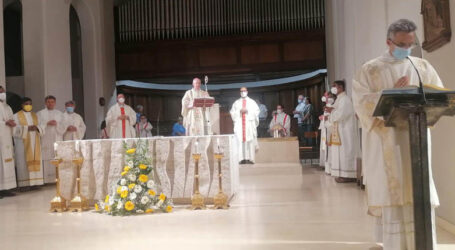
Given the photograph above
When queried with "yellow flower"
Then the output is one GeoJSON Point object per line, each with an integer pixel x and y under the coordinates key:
{"type": "Point", "coordinates": [142, 166]}
{"type": "Point", "coordinates": [152, 193]}
{"type": "Point", "coordinates": [129, 205]}
{"type": "Point", "coordinates": [143, 178]}
{"type": "Point", "coordinates": [126, 168]}
{"type": "Point", "coordinates": [124, 173]}
{"type": "Point", "coordinates": [131, 151]}
{"type": "Point", "coordinates": [168, 209]}
{"type": "Point", "coordinates": [131, 186]}
{"type": "Point", "coordinates": [97, 208]}
{"type": "Point", "coordinates": [107, 208]}
{"type": "Point", "coordinates": [162, 197]}
{"type": "Point", "coordinates": [119, 189]}
{"type": "Point", "coordinates": [124, 194]}
{"type": "Point", "coordinates": [107, 199]}
{"type": "Point", "coordinates": [148, 211]}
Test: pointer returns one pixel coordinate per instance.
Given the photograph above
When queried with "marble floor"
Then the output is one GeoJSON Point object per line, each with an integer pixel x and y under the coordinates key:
{"type": "Point", "coordinates": [277, 207]}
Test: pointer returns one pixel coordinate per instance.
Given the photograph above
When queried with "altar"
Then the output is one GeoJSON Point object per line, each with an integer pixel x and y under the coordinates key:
{"type": "Point", "coordinates": [172, 162]}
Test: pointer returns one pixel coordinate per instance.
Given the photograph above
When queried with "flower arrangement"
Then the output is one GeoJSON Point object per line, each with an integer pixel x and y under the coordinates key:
{"type": "Point", "coordinates": [135, 191]}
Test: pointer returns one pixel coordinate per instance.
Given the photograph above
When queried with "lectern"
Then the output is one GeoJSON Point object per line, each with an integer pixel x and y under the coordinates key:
{"type": "Point", "coordinates": [411, 108]}
{"type": "Point", "coordinates": [204, 102]}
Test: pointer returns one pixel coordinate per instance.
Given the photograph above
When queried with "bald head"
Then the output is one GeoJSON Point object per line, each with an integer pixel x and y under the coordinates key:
{"type": "Point", "coordinates": [197, 83]}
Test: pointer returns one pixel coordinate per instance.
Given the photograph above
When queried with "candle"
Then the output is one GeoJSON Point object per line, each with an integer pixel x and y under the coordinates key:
{"type": "Point", "coordinates": [196, 147]}
{"type": "Point", "coordinates": [78, 149]}
{"type": "Point", "coordinates": [218, 144]}
{"type": "Point", "coordinates": [55, 149]}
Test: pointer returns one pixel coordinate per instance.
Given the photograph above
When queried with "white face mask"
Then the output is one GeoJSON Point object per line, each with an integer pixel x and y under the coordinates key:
{"type": "Point", "coordinates": [244, 94]}
{"type": "Point", "coordinates": [331, 101]}
{"type": "Point", "coordinates": [334, 90]}
{"type": "Point", "coordinates": [279, 111]}
{"type": "Point", "coordinates": [2, 96]}
{"type": "Point", "coordinates": [121, 100]}
{"type": "Point", "coordinates": [324, 99]}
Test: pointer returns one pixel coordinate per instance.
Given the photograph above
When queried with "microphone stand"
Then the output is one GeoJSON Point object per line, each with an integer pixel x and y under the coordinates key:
{"type": "Point", "coordinates": [158, 124]}
{"type": "Point", "coordinates": [420, 81]}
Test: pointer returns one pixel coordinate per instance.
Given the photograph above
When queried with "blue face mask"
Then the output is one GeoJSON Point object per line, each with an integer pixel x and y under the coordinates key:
{"type": "Point", "coordinates": [69, 109]}
{"type": "Point", "coordinates": [299, 101]}
{"type": "Point", "coordinates": [401, 53]}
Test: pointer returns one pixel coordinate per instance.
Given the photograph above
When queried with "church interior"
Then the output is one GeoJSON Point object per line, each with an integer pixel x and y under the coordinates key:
{"type": "Point", "coordinates": [92, 51]}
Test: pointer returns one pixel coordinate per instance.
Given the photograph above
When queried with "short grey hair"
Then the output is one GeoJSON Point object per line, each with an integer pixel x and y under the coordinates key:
{"type": "Point", "coordinates": [139, 107]}
{"type": "Point", "coordinates": [402, 25]}
{"type": "Point", "coordinates": [70, 102]}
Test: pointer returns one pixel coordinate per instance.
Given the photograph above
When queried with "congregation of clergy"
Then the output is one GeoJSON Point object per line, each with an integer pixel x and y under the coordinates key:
{"type": "Point", "coordinates": [385, 153]}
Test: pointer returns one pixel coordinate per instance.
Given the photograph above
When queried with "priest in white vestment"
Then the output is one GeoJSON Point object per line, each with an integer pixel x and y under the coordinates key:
{"type": "Point", "coordinates": [245, 115]}
{"type": "Point", "coordinates": [328, 126]}
{"type": "Point", "coordinates": [51, 120]}
{"type": "Point", "coordinates": [344, 136]}
{"type": "Point", "coordinates": [195, 120]}
{"type": "Point", "coordinates": [323, 133]}
{"type": "Point", "coordinates": [74, 124]}
{"type": "Point", "coordinates": [143, 127]}
{"type": "Point", "coordinates": [120, 120]}
{"type": "Point", "coordinates": [282, 120]}
{"type": "Point", "coordinates": [386, 151]}
{"type": "Point", "coordinates": [27, 146]}
{"type": "Point", "coordinates": [7, 169]}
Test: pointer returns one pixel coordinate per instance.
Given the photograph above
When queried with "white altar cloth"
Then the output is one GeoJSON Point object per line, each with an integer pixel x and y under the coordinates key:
{"type": "Point", "coordinates": [172, 160]}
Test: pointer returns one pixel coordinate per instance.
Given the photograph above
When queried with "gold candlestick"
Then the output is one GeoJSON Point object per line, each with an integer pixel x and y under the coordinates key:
{"type": "Point", "coordinates": [78, 203]}
{"type": "Point", "coordinates": [220, 200]}
{"type": "Point", "coordinates": [58, 203]}
{"type": "Point", "coordinates": [197, 200]}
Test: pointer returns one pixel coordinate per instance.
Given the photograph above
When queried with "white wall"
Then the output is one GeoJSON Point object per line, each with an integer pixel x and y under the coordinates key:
{"type": "Point", "coordinates": [444, 132]}
{"type": "Point", "coordinates": [356, 33]}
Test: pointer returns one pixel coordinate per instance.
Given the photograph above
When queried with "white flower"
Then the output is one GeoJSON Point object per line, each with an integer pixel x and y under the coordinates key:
{"type": "Point", "coordinates": [131, 164]}
{"type": "Point", "coordinates": [133, 196]}
{"type": "Point", "coordinates": [111, 201]}
{"type": "Point", "coordinates": [139, 211]}
{"type": "Point", "coordinates": [138, 188]}
{"type": "Point", "coordinates": [123, 182]}
{"type": "Point", "coordinates": [132, 177]}
{"type": "Point", "coordinates": [119, 205]}
{"type": "Point", "coordinates": [150, 184]}
{"type": "Point", "coordinates": [145, 199]}
{"type": "Point", "coordinates": [159, 203]}
{"type": "Point", "coordinates": [124, 188]}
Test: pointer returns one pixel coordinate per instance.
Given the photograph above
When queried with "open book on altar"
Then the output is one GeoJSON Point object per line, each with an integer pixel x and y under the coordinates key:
{"type": "Point", "coordinates": [203, 102]}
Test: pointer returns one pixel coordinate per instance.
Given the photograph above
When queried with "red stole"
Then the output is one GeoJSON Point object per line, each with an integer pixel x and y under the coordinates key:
{"type": "Point", "coordinates": [284, 122]}
{"type": "Point", "coordinates": [122, 112]}
{"type": "Point", "coordinates": [243, 120]}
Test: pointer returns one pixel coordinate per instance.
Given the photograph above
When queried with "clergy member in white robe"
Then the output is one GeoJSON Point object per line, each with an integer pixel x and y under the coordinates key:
{"type": "Point", "coordinates": [7, 169]}
{"type": "Point", "coordinates": [323, 133]}
{"type": "Point", "coordinates": [51, 120]}
{"type": "Point", "coordinates": [328, 127]}
{"type": "Point", "coordinates": [245, 115]}
{"type": "Point", "coordinates": [27, 146]}
{"type": "Point", "coordinates": [143, 128]}
{"type": "Point", "coordinates": [279, 118]}
{"type": "Point", "coordinates": [120, 119]}
{"type": "Point", "coordinates": [386, 151]}
{"type": "Point", "coordinates": [344, 136]}
{"type": "Point", "coordinates": [195, 120]}
{"type": "Point", "coordinates": [74, 124]}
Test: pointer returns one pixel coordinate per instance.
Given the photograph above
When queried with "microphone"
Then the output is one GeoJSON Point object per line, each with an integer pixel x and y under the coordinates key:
{"type": "Point", "coordinates": [420, 81]}
{"type": "Point", "coordinates": [158, 124]}
{"type": "Point", "coordinates": [206, 80]}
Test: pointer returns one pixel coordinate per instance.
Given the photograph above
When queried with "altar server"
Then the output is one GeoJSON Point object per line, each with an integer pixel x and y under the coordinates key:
{"type": "Point", "coordinates": [143, 128]}
{"type": "Point", "coordinates": [74, 124]}
{"type": "Point", "coordinates": [194, 118]}
{"type": "Point", "coordinates": [51, 120]}
{"type": "Point", "coordinates": [120, 119]}
{"type": "Point", "coordinates": [245, 115]}
{"type": "Point", "coordinates": [27, 146]}
{"type": "Point", "coordinates": [283, 119]}
{"type": "Point", "coordinates": [386, 150]}
{"type": "Point", "coordinates": [7, 170]}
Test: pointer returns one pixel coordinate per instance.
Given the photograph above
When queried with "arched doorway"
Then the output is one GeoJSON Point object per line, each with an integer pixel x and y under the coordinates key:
{"type": "Point", "coordinates": [76, 62]}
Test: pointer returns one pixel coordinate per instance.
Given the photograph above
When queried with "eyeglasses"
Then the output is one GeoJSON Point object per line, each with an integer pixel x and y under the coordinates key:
{"type": "Point", "coordinates": [404, 46]}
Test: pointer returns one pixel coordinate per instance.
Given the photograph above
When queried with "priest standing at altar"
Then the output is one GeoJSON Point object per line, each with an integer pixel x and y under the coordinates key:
{"type": "Point", "coordinates": [74, 124]}
{"type": "Point", "coordinates": [51, 120]}
{"type": "Point", "coordinates": [7, 170]}
{"type": "Point", "coordinates": [120, 119]}
{"type": "Point", "coordinates": [344, 135]}
{"type": "Point", "coordinates": [245, 115]}
{"type": "Point", "coordinates": [281, 119]}
{"type": "Point", "coordinates": [27, 146]}
{"type": "Point", "coordinates": [386, 150]}
{"type": "Point", "coordinates": [194, 118]}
